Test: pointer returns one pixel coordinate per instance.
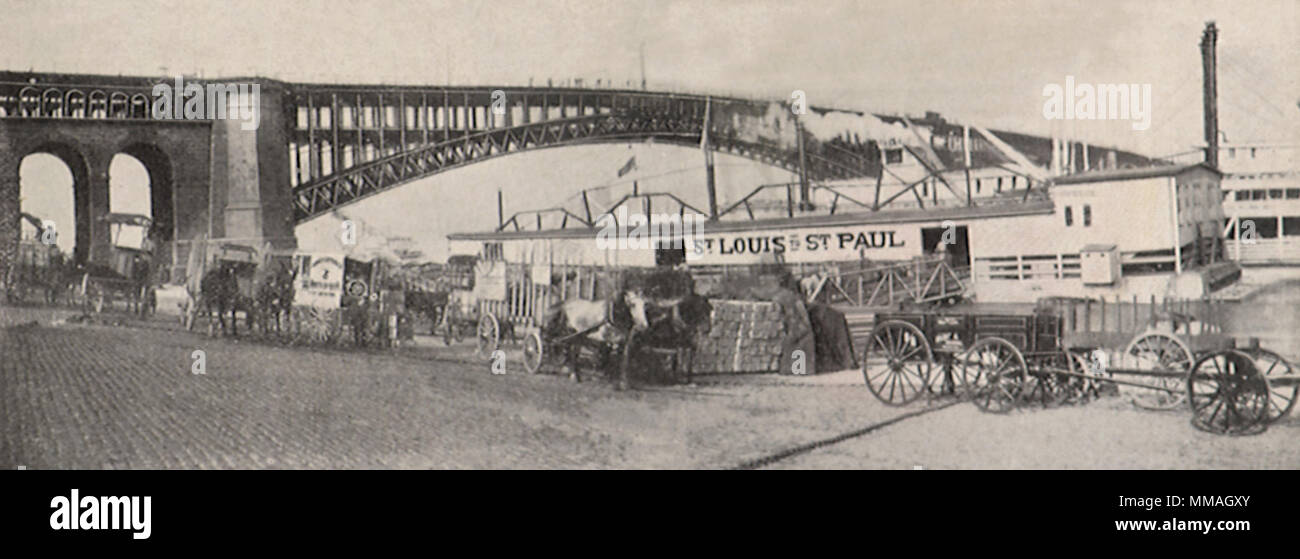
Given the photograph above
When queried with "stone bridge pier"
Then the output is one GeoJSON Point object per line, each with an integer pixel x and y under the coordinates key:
{"type": "Point", "coordinates": [207, 178]}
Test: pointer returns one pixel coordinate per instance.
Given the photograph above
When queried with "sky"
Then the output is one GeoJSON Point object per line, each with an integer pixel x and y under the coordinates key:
{"type": "Point", "coordinates": [985, 62]}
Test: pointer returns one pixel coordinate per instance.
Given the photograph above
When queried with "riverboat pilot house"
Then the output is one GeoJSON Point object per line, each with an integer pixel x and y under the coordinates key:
{"type": "Point", "coordinates": [1151, 231]}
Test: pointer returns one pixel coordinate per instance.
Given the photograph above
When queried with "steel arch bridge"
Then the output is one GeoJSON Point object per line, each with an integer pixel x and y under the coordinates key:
{"type": "Point", "coordinates": [319, 146]}
{"type": "Point", "coordinates": [377, 140]}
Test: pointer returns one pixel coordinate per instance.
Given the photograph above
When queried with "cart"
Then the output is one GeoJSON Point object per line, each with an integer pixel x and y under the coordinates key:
{"type": "Point", "coordinates": [494, 300]}
{"type": "Point", "coordinates": [40, 267]}
{"type": "Point", "coordinates": [129, 275]}
{"type": "Point", "coordinates": [1005, 361]}
{"type": "Point", "coordinates": [243, 260]}
{"type": "Point", "coordinates": [664, 347]}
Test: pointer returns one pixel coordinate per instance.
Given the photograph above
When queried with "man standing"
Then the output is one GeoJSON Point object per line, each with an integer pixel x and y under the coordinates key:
{"type": "Point", "coordinates": [798, 349]}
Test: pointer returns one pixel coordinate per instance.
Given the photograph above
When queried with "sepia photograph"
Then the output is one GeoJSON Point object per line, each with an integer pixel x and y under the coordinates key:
{"type": "Point", "coordinates": [647, 235]}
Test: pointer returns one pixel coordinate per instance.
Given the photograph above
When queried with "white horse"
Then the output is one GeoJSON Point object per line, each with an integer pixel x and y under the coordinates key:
{"type": "Point", "coordinates": [600, 324]}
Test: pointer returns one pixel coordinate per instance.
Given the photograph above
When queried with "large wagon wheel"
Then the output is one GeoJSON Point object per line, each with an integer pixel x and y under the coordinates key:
{"type": "Point", "coordinates": [1001, 375]}
{"type": "Point", "coordinates": [1282, 396]}
{"type": "Point", "coordinates": [1161, 352]}
{"type": "Point", "coordinates": [1228, 394]}
{"type": "Point", "coordinates": [897, 362]}
{"type": "Point", "coordinates": [534, 352]}
{"type": "Point", "coordinates": [489, 335]}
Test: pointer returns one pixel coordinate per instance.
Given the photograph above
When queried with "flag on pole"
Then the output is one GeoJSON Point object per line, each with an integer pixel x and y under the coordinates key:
{"type": "Point", "coordinates": [628, 167]}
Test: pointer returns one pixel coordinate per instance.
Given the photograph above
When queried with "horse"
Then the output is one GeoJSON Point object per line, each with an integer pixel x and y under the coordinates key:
{"type": "Point", "coordinates": [428, 304]}
{"type": "Point", "coordinates": [675, 325]}
{"type": "Point", "coordinates": [598, 324]}
{"type": "Point", "coordinates": [274, 298]}
{"type": "Point", "coordinates": [219, 291]}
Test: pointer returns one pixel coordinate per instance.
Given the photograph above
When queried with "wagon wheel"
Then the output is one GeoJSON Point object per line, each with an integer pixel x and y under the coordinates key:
{"type": "Point", "coordinates": [897, 363]}
{"type": "Point", "coordinates": [1282, 396]}
{"type": "Point", "coordinates": [489, 335]}
{"type": "Point", "coordinates": [1001, 375]}
{"type": "Point", "coordinates": [1161, 352]}
{"type": "Point", "coordinates": [1048, 387]}
{"type": "Point", "coordinates": [1076, 389]}
{"type": "Point", "coordinates": [1228, 394]}
{"type": "Point", "coordinates": [534, 352]}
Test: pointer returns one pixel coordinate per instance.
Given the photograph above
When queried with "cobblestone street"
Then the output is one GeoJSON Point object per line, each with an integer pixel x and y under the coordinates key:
{"type": "Point", "coordinates": [92, 396]}
{"type": "Point", "coordinates": [123, 396]}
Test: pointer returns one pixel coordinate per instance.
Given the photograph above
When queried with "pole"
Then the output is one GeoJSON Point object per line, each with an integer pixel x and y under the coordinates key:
{"type": "Point", "coordinates": [708, 161]}
{"type": "Point", "coordinates": [643, 66]}
{"type": "Point", "coordinates": [965, 148]}
{"type": "Point", "coordinates": [804, 191]}
{"type": "Point", "coordinates": [501, 211]}
{"type": "Point", "coordinates": [1210, 92]}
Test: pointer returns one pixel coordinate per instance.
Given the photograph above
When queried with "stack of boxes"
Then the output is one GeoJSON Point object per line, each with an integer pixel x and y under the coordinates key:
{"type": "Point", "coordinates": [745, 337]}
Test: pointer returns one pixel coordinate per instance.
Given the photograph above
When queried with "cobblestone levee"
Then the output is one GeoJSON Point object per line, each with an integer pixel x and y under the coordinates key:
{"type": "Point", "coordinates": [89, 396]}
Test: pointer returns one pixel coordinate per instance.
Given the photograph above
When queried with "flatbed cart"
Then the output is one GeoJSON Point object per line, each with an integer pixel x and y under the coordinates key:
{"type": "Point", "coordinates": [1005, 361]}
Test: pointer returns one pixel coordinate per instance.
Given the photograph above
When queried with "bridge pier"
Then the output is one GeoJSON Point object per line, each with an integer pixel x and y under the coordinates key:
{"type": "Point", "coordinates": [208, 178]}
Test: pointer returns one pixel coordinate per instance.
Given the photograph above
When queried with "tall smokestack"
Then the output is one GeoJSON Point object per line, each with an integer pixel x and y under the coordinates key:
{"type": "Point", "coordinates": [1211, 94]}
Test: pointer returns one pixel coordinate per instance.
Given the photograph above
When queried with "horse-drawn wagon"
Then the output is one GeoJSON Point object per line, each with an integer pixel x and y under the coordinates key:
{"type": "Point", "coordinates": [225, 284]}
{"type": "Point", "coordinates": [650, 318]}
{"type": "Point", "coordinates": [128, 277]}
{"type": "Point", "coordinates": [40, 266]}
{"type": "Point", "coordinates": [1002, 361]}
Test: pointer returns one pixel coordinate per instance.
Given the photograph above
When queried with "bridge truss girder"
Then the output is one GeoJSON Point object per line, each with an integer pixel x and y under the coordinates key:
{"type": "Point", "coordinates": [623, 125]}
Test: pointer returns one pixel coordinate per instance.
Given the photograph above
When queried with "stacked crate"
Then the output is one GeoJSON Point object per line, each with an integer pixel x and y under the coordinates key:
{"type": "Point", "coordinates": [745, 337]}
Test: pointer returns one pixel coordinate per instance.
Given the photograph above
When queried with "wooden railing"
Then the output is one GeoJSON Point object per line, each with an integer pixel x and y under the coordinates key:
{"type": "Point", "coordinates": [1118, 315]}
{"type": "Point", "coordinates": [921, 280]}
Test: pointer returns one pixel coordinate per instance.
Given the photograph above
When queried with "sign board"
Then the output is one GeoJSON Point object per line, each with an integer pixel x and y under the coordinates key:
{"type": "Point", "coordinates": [490, 280]}
{"type": "Point", "coordinates": [824, 244]}
{"type": "Point", "coordinates": [319, 281]}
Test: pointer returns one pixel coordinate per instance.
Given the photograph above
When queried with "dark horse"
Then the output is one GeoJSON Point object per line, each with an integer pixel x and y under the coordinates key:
{"type": "Point", "coordinates": [600, 325]}
{"type": "Point", "coordinates": [675, 325]}
{"type": "Point", "coordinates": [274, 298]}
{"type": "Point", "coordinates": [428, 304]}
{"type": "Point", "coordinates": [219, 293]}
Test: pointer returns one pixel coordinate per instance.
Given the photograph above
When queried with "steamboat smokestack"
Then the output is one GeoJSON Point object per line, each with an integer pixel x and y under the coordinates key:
{"type": "Point", "coordinates": [1211, 94]}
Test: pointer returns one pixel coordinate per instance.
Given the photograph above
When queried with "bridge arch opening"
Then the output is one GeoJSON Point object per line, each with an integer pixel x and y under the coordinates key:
{"type": "Point", "coordinates": [46, 192]}
{"type": "Point", "coordinates": [140, 182]}
{"type": "Point", "coordinates": [128, 192]}
{"type": "Point", "coordinates": [54, 187]}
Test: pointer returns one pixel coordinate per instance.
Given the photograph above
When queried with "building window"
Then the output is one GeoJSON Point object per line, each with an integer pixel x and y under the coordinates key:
{"type": "Point", "coordinates": [999, 184]}
{"type": "Point", "coordinates": [977, 186]}
{"type": "Point", "coordinates": [893, 156]}
{"type": "Point", "coordinates": [1252, 153]}
{"type": "Point", "coordinates": [1292, 193]}
{"type": "Point", "coordinates": [1069, 216]}
{"type": "Point", "coordinates": [1275, 194]}
{"type": "Point", "coordinates": [493, 251]}
{"type": "Point", "coordinates": [1232, 153]}
{"type": "Point", "coordinates": [1087, 215]}
{"type": "Point", "coordinates": [1257, 194]}
{"type": "Point", "coordinates": [1242, 195]}
{"type": "Point", "coordinates": [1265, 226]}
{"type": "Point", "coordinates": [1291, 226]}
